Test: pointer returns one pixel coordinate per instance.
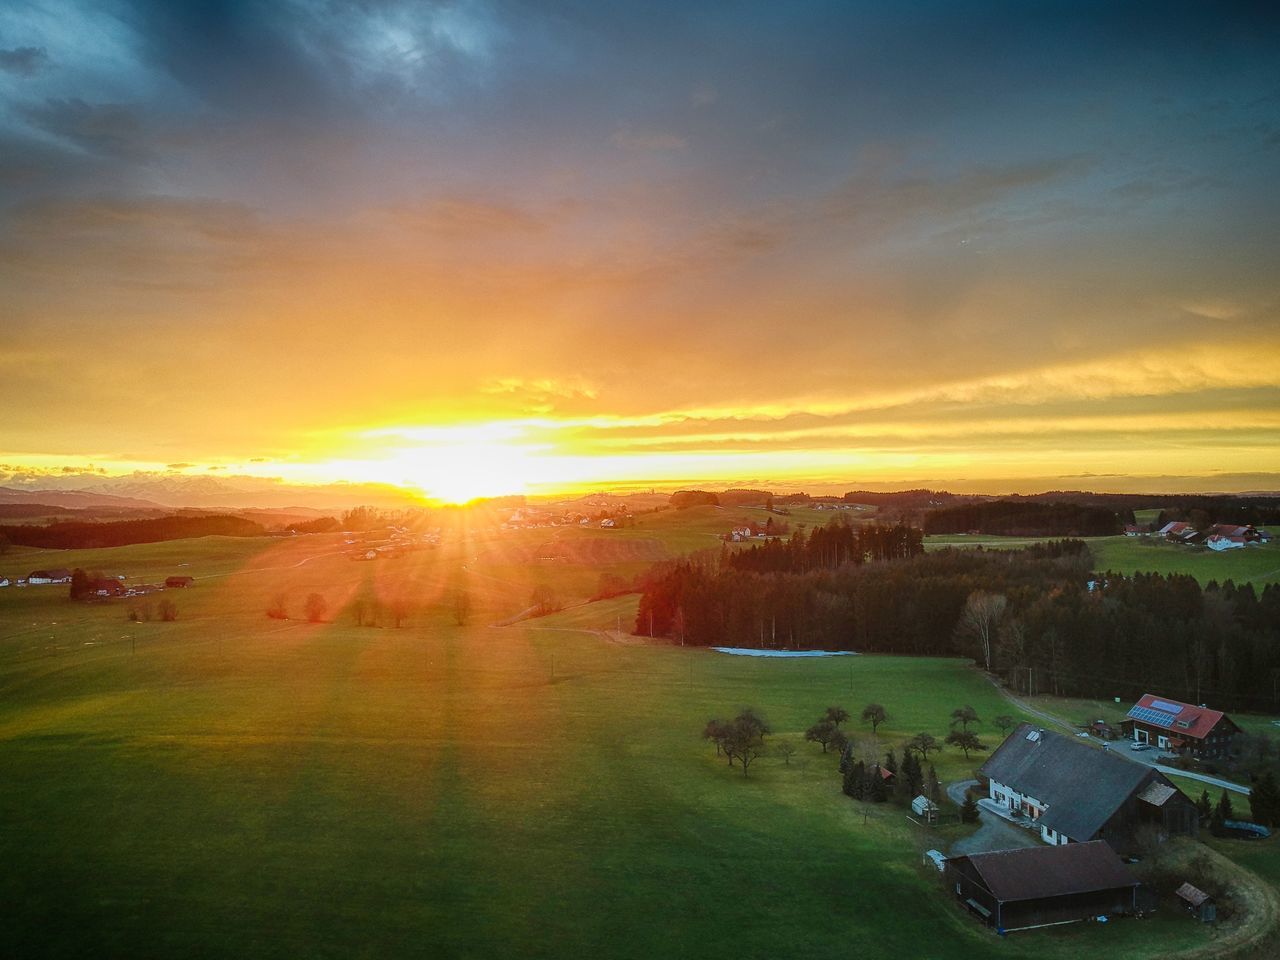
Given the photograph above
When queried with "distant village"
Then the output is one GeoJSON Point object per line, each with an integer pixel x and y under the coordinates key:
{"type": "Point", "coordinates": [1219, 536]}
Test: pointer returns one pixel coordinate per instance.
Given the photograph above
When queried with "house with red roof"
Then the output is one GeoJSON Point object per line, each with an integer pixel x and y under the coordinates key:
{"type": "Point", "coordinates": [1180, 727]}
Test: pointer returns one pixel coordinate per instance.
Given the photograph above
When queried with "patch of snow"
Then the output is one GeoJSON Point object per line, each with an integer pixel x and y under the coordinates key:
{"type": "Point", "coordinates": [752, 652]}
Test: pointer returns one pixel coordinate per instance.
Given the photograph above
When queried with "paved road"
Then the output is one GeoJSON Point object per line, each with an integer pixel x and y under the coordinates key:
{"type": "Point", "coordinates": [994, 833]}
{"type": "Point", "coordinates": [1120, 747]}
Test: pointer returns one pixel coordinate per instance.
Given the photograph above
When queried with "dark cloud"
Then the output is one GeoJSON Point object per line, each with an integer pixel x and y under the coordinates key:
{"type": "Point", "coordinates": [108, 128]}
{"type": "Point", "coordinates": [24, 61]}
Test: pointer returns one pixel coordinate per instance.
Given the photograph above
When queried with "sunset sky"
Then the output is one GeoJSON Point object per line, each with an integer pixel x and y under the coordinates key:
{"type": "Point", "coordinates": [479, 248]}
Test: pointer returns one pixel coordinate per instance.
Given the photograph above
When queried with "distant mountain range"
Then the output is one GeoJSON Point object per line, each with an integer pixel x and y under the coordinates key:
{"type": "Point", "coordinates": [141, 491]}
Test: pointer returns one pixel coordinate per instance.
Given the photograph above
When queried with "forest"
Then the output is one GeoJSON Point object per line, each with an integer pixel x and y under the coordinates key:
{"type": "Point", "coordinates": [1027, 518]}
{"type": "Point", "coordinates": [77, 535]}
{"type": "Point", "coordinates": [1058, 627]}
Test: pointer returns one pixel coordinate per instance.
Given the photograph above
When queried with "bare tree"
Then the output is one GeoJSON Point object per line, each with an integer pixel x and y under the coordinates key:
{"type": "Point", "coordinates": [821, 732]}
{"type": "Point", "coordinates": [966, 741]}
{"type": "Point", "coordinates": [874, 714]}
{"type": "Point", "coordinates": [168, 611]}
{"type": "Point", "coordinates": [786, 750]}
{"type": "Point", "coordinates": [461, 607]}
{"type": "Point", "coordinates": [316, 607]}
{"type": "Point", "coordinates": [979, 620]}
{"type": "Point", "coordinates": [964, 716]}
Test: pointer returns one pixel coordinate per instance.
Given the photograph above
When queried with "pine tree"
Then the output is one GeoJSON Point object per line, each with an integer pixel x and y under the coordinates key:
{"type": "Point", "coordinates": [969, 809]}
{"type": "Point", "coordinates": [1264, 800]}
{"type": "Point", "coordinates": [934, 786]}
{"type": "Point", "coordinates": [877, 789]}
{"type": "Point", "coordinates": [855, 781]}
{"type": "Point", "coordinates": [1204, 807]}
{"type": "Point", "coordinates": [912, 774]}
{"type": "Point", "coordinates": [891, 762]}
{"type": "Point", "coordinates": [1224, 806]}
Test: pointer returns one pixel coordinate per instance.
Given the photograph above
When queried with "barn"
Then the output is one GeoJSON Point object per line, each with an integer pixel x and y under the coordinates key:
{"type": "Point", "coordinates": [1039, 886]}
{"type": "Point", "coordinates": [179, 581]}
{"type": "Point", "coordinates": [1074, 793]}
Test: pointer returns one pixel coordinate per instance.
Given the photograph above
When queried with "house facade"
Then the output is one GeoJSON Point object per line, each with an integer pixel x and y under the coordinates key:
{"type": "Point", "coordinates": [1180, 727]}
{"type": "Point", "coordinates": [1073, 793]}
{"type": "Point", "coordinates": [58, 575]}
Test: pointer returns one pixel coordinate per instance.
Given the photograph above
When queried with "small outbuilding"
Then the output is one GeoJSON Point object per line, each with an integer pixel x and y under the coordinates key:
{"type": "Point", "coordinates": [1038, 886]}
{"type": "Point", "coordinates": [179, 581]}
{"type": "Point", "coordinates": [924, 808]}
{"type": "Point", "coordinates": [1198, 903]}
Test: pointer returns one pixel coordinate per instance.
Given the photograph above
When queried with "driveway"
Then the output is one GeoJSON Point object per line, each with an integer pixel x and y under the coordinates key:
{"type": "Point", "coordinates": [995, 833]}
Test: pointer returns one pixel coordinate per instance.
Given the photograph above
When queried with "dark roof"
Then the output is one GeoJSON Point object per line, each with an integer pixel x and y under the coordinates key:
{"type": "Point", "coordinates": [57, 573]}
{"type": "Point", "coordinates": [1193, 895]}
{"type": "Point", "coordinates": [1081, 787]}
{"type": "Point", "coordinates": [1029, 873]}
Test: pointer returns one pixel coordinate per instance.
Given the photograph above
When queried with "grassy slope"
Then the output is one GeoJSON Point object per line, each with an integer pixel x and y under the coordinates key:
{"type": "Point", "coordinates": [246, 787]}
{"type": "Point", "coordinates": [1258, 565]}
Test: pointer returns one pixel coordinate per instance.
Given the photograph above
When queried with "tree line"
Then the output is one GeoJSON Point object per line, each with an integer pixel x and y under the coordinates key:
{"type": "Point", "coordinates": [909, 605]}
{"type": "Point", "coordinates": [73, 535]}
{"type": "Point", "coordinates": [1037, 616]}
{"type": "Point", "coordinates": [1027, 518]}
{"type": "Point", "coordinates": [828, 547]}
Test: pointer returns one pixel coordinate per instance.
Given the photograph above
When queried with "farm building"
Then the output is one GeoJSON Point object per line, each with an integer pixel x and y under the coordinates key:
{"type": "Point", "coordinates": [1037, 886]}
{"type": "Point", "coordinates": [1075, 793]}
{"type": "Point", "coordinates": [1180, 727]}
{"type": "Point", "coordinates": [1198, 903]}
{"type": "Point", "coordinates": [179, 581]}
{"type": "Point", "coordinates": [58, 575]}
{"type": "Point", "coordinates": [925, 808]}
{"type": "Point", "coordinates": [104, 587]}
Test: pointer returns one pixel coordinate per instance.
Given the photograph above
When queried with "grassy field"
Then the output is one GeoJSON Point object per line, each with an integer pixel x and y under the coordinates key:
{"type": "Point", "coordinates": [232, 786]}
{"type": "Point", "coordinates": [1258, 565]}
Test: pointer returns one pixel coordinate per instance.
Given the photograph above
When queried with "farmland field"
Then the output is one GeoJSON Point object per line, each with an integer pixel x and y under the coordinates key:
{"type": "Point", "coordinates": [228, 785]}
{"type": "Point", "coordinates": [1258, 565]}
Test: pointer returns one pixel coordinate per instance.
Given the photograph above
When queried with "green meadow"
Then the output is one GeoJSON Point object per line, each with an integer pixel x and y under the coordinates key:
{"type": "Point", "coordinates": [1258, 565]}
{"type": "Point", "coordinates": [228, 785]}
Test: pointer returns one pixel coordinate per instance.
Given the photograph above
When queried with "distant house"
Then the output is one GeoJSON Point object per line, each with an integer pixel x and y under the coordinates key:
{"type": "Point", "coordinates": [104, 587]}
{"type": "Point", "coordinates": [57, 575]}
{"type": "Point", "coordinates": [738, 534]}
{"type": "Point", "coordinates": [1219, 542]}
{"type": "Point", "coordinates": [1036, 886]}
{"type": "Point", "coordinates": [4, 581]}
{"type": "Point", "coordinates": [1075, 793]}
{"type": "Point", "coordinates": [1136, 530]}
{"type": "Point", "coordinates": [1180, 727]}
{"type": "Point", "coordinates": [179, 581]}
{"type": "Point", "coordinates": [608, 522]}
{"type": "Point", "coordinates": [1180, 532]}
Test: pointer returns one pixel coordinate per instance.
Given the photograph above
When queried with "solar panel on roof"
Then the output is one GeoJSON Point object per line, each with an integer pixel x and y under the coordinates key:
{"type": "Point", "coordinates": [1166, 706]}
{"type": "Point", "coordinates": [1148, 715]}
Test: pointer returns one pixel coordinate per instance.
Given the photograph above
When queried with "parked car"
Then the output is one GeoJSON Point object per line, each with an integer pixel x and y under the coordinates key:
{"type": "Point", "coordinates": [1139, 746]}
